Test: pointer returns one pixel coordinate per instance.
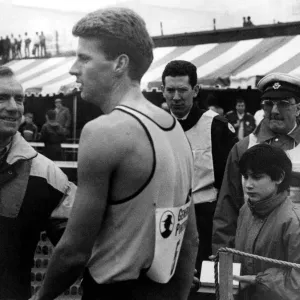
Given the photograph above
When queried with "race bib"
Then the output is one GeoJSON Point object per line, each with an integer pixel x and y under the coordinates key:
{"type": "Point", "coordinates": [170, 224]}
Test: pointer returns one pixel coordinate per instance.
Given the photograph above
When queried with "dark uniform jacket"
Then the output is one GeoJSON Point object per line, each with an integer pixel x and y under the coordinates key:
{"type": "Point", "coordinates": [248, 121]}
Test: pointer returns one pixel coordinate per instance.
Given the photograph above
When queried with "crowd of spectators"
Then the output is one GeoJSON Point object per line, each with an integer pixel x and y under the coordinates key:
{"type": "Point", "coordinates": [17, 47]}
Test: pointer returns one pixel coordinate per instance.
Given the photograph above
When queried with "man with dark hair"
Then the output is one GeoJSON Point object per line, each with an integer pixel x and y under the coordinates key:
{"type": "Point", "coordinates": [35, 195]}
{"type": "Point", "coordinates": [242, 121]}
{"type": "Point", "coordinates": [211, 138]}
{"type": "Point", "coordinates": [134, 172]}
{"type": "Point", "coordinates": [280, 128]}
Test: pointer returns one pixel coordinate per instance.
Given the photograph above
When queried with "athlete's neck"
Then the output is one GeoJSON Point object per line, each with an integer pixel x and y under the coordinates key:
{"type": "Point", "coordinates": [126, 93]}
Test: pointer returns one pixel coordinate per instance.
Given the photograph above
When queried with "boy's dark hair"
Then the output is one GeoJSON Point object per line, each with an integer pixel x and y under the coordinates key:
{"type": "Point", "coordinates": [181, 68]}
{"type": "Point", "coordinates": [51, 114]}
{"type": "Point", "coordinates": [266, 159]}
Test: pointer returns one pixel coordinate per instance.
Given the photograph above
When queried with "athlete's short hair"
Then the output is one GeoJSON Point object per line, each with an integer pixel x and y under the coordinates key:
{"type": "Point", "coordinates": [121, 31]}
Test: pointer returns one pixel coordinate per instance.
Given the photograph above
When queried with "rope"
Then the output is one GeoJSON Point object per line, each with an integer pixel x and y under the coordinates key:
{"type": "Point", "coordinates": [254, 256]}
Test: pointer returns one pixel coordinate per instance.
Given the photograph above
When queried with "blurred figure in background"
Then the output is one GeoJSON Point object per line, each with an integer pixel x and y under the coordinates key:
{"type": "Point", "coordinates": [43, 44]}
{"type": "Point", "coordinates": [52, 134]}
{"type": "Point", "coordinates": [213, 104]}
{"type": "Point", "coordinates": [242, 121]}
{"type": "Point", "coordinates": [28, 129]}
{"type": "Point", "coordinates": [63, 115]}
{"type": "Point", "coordinates": [27, 45]}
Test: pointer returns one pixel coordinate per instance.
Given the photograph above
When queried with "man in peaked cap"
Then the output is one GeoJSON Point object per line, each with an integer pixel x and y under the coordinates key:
{"type": "Point", "coordinates": [280, 128]}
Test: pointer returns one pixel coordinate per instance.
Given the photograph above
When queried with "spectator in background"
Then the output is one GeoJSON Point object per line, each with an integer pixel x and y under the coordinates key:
{"type": "Point", "coordinates": [249, 22]}
{"type": "Point", "coordinates": [63, 115]}
{"type": "Point", "coordinates": [213, 104]}
{"type": "Point", "coordinates": [27, 45]}
{"type": "Point", "coordinates": [18, 46]}
{"type": "Point", "coordinates": [6, 48]}
{"type": "Point", "coordinates": [43, 44]}
{"type": "Point", "coordinates": [1, 47]}
{"type": "Point", "coordinates": [12, 47]}
{"type": "Point", "coordinates": [36, 45]}
{"type": "Point", "coordinates": [52, 134]}
{"type": "Point", "coordinates": [242, 121]}
{"type": "Point", "coordinates": [28, 129]}
{"type": "Point", "coordinates": [244, 22]}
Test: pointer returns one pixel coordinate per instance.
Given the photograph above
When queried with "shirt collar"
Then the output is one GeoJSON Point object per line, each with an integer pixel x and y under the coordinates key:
{"type": "Point", "coordinates": [5, 150]}
{"type": "Point", "coordinates": [240, 116]}
{"type": "Point", "coordinates": [264, 133]}
{"type": "Point", "coordinates": [182, 118]}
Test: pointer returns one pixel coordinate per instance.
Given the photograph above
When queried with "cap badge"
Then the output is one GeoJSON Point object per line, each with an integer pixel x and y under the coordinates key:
{"type": "Point", "coordinates": [276, 85]}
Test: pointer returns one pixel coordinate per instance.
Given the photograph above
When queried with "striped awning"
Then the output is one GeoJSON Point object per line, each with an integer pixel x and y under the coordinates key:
{"type": "Point", "coordinates": [44, 75]}
{"type": "Point", "coordinates": [232, 64]}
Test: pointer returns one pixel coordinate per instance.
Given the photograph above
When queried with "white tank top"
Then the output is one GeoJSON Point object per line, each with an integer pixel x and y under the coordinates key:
{"type": "Point", "coordinates": [126, 242]}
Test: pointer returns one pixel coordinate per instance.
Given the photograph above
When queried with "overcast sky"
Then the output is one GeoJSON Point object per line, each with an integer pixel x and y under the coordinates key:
{"type": "Point", "coordinates": [228, 13]}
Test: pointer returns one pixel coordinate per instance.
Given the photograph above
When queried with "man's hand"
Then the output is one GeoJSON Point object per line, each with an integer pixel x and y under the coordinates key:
{"type": "Point", "coordinates": [245, 280]}
{"type": "Point", "coordinates": [196, 281]}
{"type": "Point", "coordinates": [212, 257]}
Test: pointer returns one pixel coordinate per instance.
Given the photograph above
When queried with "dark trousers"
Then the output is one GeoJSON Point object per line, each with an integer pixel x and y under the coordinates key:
{"type": "Point", "coordinates": [204, 217]}
{"type": "Point", "coordinates": [141, 288]}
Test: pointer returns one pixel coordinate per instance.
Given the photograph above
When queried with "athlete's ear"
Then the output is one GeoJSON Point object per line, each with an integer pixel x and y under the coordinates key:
{"type": "Point", "coordinates": [121, 64]}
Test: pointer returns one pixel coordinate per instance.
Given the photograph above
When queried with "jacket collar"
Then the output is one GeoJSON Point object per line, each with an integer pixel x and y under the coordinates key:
{"type": "Point", "coordinates": [20, 150]}
{"type": "Point", "coordinates": [264, 133]}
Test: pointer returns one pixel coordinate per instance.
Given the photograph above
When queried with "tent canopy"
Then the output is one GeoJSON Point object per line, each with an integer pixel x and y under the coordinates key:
{"type": "Point", "coordinates": [232, 64]}
{"type": "Point", "coordinates": [43, 75]}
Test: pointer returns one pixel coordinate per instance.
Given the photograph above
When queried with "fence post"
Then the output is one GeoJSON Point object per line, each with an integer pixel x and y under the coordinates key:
{"type": "Point", "coordinates": [225, 276]}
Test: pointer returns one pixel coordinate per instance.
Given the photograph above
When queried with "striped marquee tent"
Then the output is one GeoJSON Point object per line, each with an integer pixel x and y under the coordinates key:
{"type": "Point", "coordinates": [231, 64]}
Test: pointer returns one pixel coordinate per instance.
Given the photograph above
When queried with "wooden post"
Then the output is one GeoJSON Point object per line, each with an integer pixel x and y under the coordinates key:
{"type": "Point", "coordinates": [225, 276]}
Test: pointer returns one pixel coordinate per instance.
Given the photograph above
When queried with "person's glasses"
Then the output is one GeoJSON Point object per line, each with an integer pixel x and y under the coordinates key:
{"type": "Point", "coordinates": [279, 103]}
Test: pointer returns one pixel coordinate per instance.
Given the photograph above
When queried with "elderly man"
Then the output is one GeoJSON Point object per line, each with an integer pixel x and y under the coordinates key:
{"type": "Point", "coordinates": [133, 225]}
{"type": "Point", "coordinates": [35, 195]}
{"type": "Point", "coordinates": [280, 128]}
